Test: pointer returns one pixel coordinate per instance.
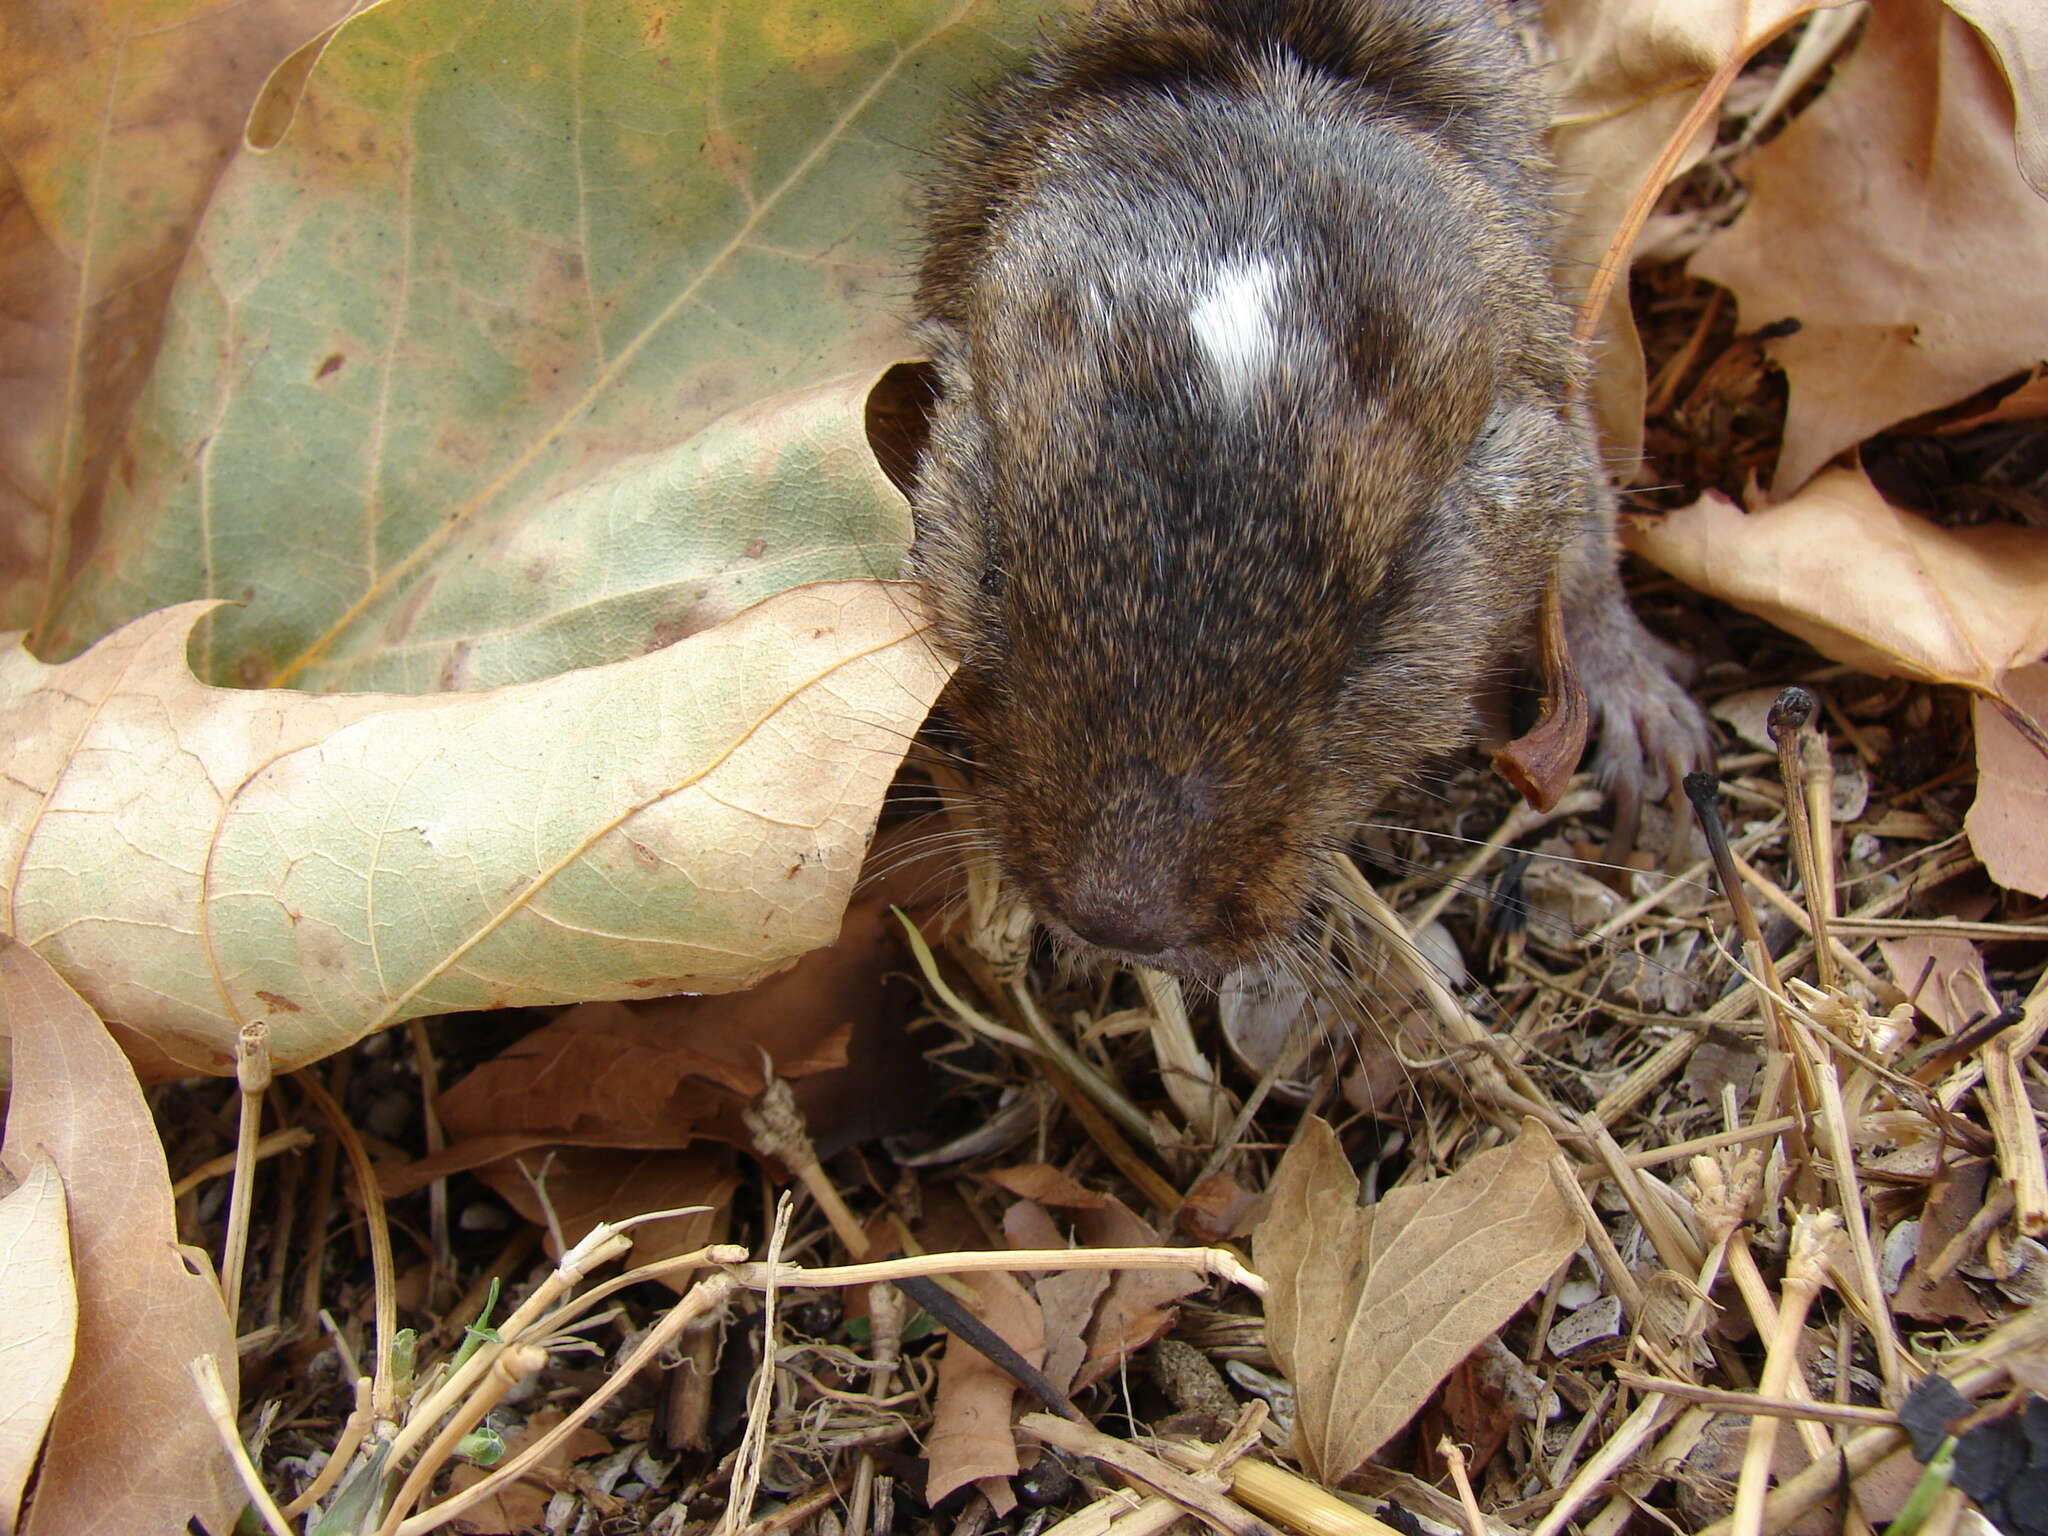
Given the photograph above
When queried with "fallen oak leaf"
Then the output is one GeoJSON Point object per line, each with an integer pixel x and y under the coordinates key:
{"type": "Point", "coordinates": [194, 857]}
{"type": "Point", "coordinates": [2016, 31]}
{"type": "Point", "coordinates": [1891, 221]}
{"type": "Point", "coordinates": [1368, 1309]}
{"type": "Point", "coordinates": [1138, 1305]}
{"type": "Point", "coordinates": [2008, 821]}
{"type": "Point", "coordinates": [131, 1448]}
{"type": "Point", "coordinates": [529, 346]}
{"type": "Point", "coordinates": [39, 1324]}
{"type": "Point", "coordinates": [970, 1438]}
{"type": "Point", "coordinates": [1869, 584]}
{"type": "Point", "coordinates": [1625, 81]}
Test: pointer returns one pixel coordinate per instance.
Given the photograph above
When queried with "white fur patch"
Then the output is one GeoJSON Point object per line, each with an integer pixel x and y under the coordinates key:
{"type": "Point", "coordinates": [1233, 322]}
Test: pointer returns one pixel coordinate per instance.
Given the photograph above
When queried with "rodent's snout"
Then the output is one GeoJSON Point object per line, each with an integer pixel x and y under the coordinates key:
{"type": "Point", "coordinates": [1136, 920]}
{"type": "Point", "coordinates": [1163, 871]}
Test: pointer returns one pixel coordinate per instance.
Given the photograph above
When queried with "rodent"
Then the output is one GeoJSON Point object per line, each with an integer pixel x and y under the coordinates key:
{"type": "Point", "coordinates": [1259, 437]}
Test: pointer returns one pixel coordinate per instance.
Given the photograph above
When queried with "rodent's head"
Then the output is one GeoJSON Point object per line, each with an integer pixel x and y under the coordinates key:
{"type": "Point", "coordinates": [1203, 622]}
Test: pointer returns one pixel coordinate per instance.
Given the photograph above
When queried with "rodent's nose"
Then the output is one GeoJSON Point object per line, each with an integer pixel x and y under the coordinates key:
{"type": "Point", "coordinates": [1134, 925]}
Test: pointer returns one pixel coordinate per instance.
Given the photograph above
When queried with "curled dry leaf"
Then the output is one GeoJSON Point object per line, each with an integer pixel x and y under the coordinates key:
{"type": "Point", "coordinates": [970, 1436]}
{"type": "Point", "coordinates": [1370, 1308]}
{"type": "Point", "coordinates": [2008, 824]}
{"type": "Point", "coordinates": [1865, 583]}
{"type": "Point", "coordinates": [39, 1324]}
{"type": "Point", "coordinates": [2017, 33]}
{"type": "Point", "coordinates": [1890, 593]}
{"type": "Point", "coordinates": [1892, 222]}
{"type": "Point", "coordinates": [1624, 80]}
{"type": "Point", "coordinates": [1944, 977]}
{"type": "Point", "coordinates": [191, 858]}
{"type": "Point", "coordinates": [131, 1448]}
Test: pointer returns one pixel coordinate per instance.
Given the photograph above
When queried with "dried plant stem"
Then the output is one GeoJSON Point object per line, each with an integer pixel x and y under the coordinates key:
{"type": "Point", "coordinates": [2011, 1112]}
{"type": "Point", "coordinates": [1670, 1451]}
{"type": "Point", "coordinates": [252, 1078]}
{"type": "Point", "coordinates": [1763, 1314]}
{"type": "Point", "coordinates": [1120, 1512]}
{"type": "Point", "coordinates": [1214, 1262]}
{"type": "Point", "coordinates": [323, 1195]}
{"type": "Point", "coordinates": [1768, 1130]}
{"type": "Point", "coordinates": [1649, 1415]}
{"type": "Point", "coordinates": [1832, 956]}
{"type": "Point", "coordinates": [509, 1367]}
{"type": "Point", "coordinates": [1649, 1200]}
{"type": "Point", "coordinates": [1282, 1495]}
{"type": "Point", "coordinates": [711, 1292]}
{"type": "Point", "coordinates": [599, 1246]}
{"type": "Point", "coordinates": [443, 1272]}
{"type": "Point", "coordinates": [290, 1139]}
{"type": "Point", "coordinates": [1690, 878]}
{"type": "Point", "coordinates": [1789, 718]}
{"type": "Point", "coordinates": [1613, 1267]}
{"type": "Point", "coordinates": [1750, 1403]}
{"type": "Point", "coordinates": [1806, 1270]}
{"type": "Point", "coordinates": [1454, 1462]}
{"type": "Point", "coordinates": [1869, 1289]}
{"type": "Point", "coordinates": [1188, 1074]}
{"type": "Point", "coordinates": [1198, 1493]}
{"type": "Point", "coordinates": [746, 1464]}
{"type": "Point", "coordinates": [1495, 1076]}
{"type": "Point", "coordinates": [1042, 1040]}
{"type": "Point", "coordinates": [213, 1393]}
{"type": "Point", "coordinates": [340, 1456]}
{"type": "Point", "coordinates": [885, 1321]}
{"type": "Point", "coordinates": [777, 1125]}
{"type": "Point", "coordinates": [1519, 823]}
{"type": "Point", "coordinates": [1977, 1370]}
{"type": "Point", "coordinates": [383, 1275]}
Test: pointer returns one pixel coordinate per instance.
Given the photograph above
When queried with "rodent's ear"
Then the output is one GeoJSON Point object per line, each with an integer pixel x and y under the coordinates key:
{"type": "Point", "coordinates": [1541, 763]}
{"type": "Point", "coordinates": [899, 419]}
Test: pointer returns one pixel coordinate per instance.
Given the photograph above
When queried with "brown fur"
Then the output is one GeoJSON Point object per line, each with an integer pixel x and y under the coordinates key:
{"type": "Point", "coordinates": [1201, 630]}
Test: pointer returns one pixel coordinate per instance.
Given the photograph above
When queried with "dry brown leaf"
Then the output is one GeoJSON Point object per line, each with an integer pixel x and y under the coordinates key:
{"type": "Point", "coordinates": [1955, 1197]}
{"type": "Point", "coordinates": [2017, 33]}
{"type": "Point", "coordinates": [1865, 583]}
{"type": "Point", "coordinates": [38, 1325]}
{"type": "Point", "coordinates": [606, 1074]}
{"type": "Point", "coordinates": [1891, 221]}
{"type": "Point", "coordinates": [1890, 593]}
{"type": "Point", "coordinates": [131, 1448]}
{"type": "Point", "coordinates": [1049, 1186]}
{"type": "Point", "coordinates": [1625, 78]}
{"type": "Point", "coordinates": [1369, 1309]}
{"type": "Point", "coordinates": [1137, 1307]}
{"type": "Point", "coordinates": [970, 1436]}
{"type": "Point", "coordinates": [2008, 824]}
{"type": "Point", "coordinates": [1943, 975]}
{"type": "Point", "coordinates": [1066, 1297]}
{"type": "Point", "coordinates": [115, 123]}
{"type": "Point", "coordinates": [588, 1185]}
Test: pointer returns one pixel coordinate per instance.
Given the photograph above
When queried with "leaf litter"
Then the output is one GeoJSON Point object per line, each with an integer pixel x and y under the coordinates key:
{"type": "Point", "coordinates": [1781, 1180]}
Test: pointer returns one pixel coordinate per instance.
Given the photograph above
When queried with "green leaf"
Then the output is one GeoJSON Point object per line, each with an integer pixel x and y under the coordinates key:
{"type": "Point", "coordinates": [538, 338]}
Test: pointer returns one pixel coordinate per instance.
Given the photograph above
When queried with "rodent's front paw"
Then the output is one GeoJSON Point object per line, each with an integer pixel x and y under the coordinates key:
{"type": "Point", "coordinates": [1652, 732]}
